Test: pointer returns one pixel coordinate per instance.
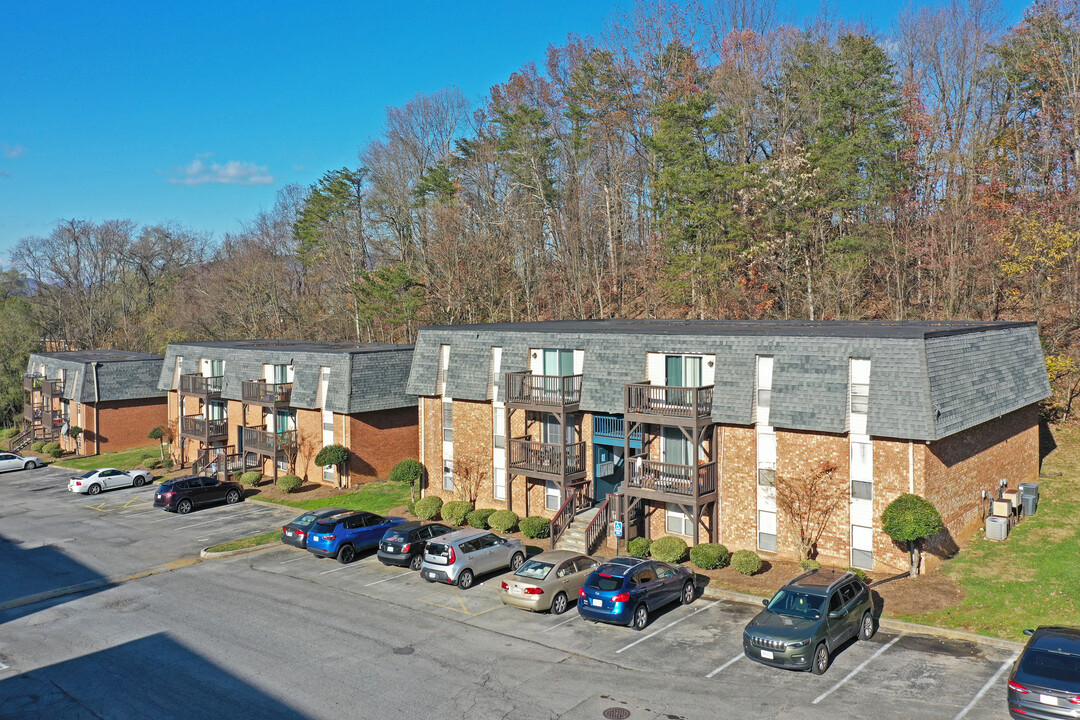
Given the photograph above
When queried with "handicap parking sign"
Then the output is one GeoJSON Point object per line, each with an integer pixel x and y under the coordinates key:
{"type": "Point", "coordinates": [618, 529]}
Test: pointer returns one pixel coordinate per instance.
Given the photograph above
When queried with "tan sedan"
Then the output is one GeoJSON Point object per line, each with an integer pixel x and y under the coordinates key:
{"type": "Point", "coordinates": [548, 581]}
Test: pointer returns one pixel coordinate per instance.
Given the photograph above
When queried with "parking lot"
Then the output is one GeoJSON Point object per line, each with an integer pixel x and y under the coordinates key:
{"type": "Point", "coordinates": [264, 601]}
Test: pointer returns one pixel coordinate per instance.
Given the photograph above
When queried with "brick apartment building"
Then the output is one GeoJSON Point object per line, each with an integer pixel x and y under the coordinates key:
{"type": "Point", "coordinates": [111, 395]}
{"type": "Point", "coordinates": [273, 404]}
{"type": "Point", "coordinates": [686, 427]}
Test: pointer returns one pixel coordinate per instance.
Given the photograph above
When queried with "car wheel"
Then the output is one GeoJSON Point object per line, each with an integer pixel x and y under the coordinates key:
{"type": "Point", "coordinates": [687, 596]}
{"type": "Point", "coordinates": [184, 507]}
{"type": "Point", "coordinates": [232, 497]}
{"type": "Point", "coordinates": [93, 489]}
{"type": "Point", "coordinates": [416, 562]}
{"type": "Point", "coordinates": [641, 617]}
{"type": "Point", "coordinates": [866, 627]}
{"type": "Point", "coordinates": [346, 554]}
{"type": "Point", "coordinates": [559, 604]}
{"type": "Point", "coordinates": [139, 481]}
{"type": "Point", "coordinates": [465, 579]}
{"type": "Point", "coordinates": [30, 465]}
{"type": "Point", "coordinates": [516, 561]}
{"type": "Point", "coordinates": [821, 660]}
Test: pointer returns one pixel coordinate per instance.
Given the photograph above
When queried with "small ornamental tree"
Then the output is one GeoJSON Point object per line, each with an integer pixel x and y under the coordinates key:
{"type": "Point", "coordinates": [808, 501]}
{"type": "Point", "coordinates": [332, 455]}
{"type": "Point", "coordinates": [158, 433]}
{"type": "Point", "coordinates": [408, 471]}
{"type": "Point", "coordinates": [910, 519]}
{"type": "Point", "coordinates": [74, 432]}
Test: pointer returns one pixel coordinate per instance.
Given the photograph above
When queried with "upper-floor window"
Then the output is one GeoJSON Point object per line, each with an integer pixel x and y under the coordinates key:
{"type": "Point", "coordinates": [217, 368]}
{"type": "Point", "coordinates": [444, 368]}
{"type": "Point", "coordinates": [558, 362]}
{"type": "Point", "coordinates": [498, 422]}
{"type": "Point", "coordinates": [860, 385]}
{"type": "Point", "coordinates": [682, 370]}
{"type": "Point", "coordinates": [448, 422]}
{"type": "Point", "coordinates": [280, 373]}
{"type": "Point", "coordinates": [764, 382]}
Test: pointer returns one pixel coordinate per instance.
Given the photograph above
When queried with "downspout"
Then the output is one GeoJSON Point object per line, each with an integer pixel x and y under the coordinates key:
{"type": "Point", "coordinates": [720, 487]}
{"type": "Point", "coordinates": [911, 466]}
{"type": "Point", "coordinates": [97, 397]}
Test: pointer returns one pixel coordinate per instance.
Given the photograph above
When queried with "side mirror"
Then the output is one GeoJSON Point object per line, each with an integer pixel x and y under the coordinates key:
{"type": "Point", "coordinates": [765, 602]}
{"type": "Point", "coordinates": [1029, 632]}
{"type": "Point", "coordinates": [834, 615]}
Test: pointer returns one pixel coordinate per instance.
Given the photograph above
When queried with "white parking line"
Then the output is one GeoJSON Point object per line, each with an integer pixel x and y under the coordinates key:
{"type": "Point", "coordinates": [726, 665]}
{"type": "Point", "coordinates": [345, 567]}
{"type": "Point", "coordinates": [676, 622]}
{"type": "Point", "coordinates": [564, 622]}
{"type": "Point", "coordinates": [389, 578]}
{"type": "Point", "coordinates": [212, 520]}
{"type": "Point", "coordinates": [3, 666]}
{"type": "Point", "coordinates": [989, 684]}
{"type": "Point", "coordinates": [852, 674]}
{"type": "Point", "coordinates": [293, 559]}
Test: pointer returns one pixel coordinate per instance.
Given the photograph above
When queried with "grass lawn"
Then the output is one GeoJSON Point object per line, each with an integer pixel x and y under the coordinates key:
{"type": "Point", "coordinates": [1031, 579]}
{"type": "Point", "coordinates": [124, 460]}
{"type": "Point", "coordinates": [376, 497]}
{"type": "Point", "coordinates": [264, 539]}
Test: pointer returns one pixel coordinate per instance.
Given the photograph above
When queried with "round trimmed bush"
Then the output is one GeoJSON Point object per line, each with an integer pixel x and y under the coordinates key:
{"type": "Point", "coordinates": [152, 463]}
{"type": "Point", "coordinates": [746, 561]}
{"type": "Point", "coordinates": [37, 445]}
{"type": "Point", "coordinates": [710, 556]}
{"type": "Point", "coordinates": [331, 455]}
{"type": "Point", "coordinates": [454, 512]}
{"type": "Point", "coordinates": [503, 520]}
{"type": "Point", "coordinates": [809, 564]}
{"type": "Point", "coordinates": [251, 478]}
{"type": "Point", "coordinates": [668, 549]}
{"type": "Point", "coordinates": [55, 451]}
{"type": "Point", "coordinates": [428, 508]}
{"type": "Point", "coordinates": [536, 527]}
{"type": "Point", "coordinates": [861, 573]}
{"type": "Point", "coordinates": [289, 483]}
{"type": "Point", "coordinates": [479, 518]}
{"type": "Point", "coordinates": [407, 471]}
{"type": "Point", "coordinates": [638, 547]}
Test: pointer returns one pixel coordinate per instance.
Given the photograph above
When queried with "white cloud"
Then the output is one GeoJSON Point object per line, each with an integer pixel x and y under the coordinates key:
{"type": "Point", "coordinates": [297, 167]}
{"type": "Point", "coordinates": [12, 151]}
{"type": "Point", "coordinates": [234, 172]}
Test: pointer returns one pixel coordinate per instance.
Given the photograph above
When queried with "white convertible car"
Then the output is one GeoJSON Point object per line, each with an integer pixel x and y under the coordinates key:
{"type": "Point", "coordinates": [94, 481]}
{"type": "Point", "coordinates": [14, 461]}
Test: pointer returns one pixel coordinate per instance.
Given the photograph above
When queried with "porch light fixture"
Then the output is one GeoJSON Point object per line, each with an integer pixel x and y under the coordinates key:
{"type": "Point", "coordinates": [710, 363]}
{"type": "Point", "coordinates": [534, 355]}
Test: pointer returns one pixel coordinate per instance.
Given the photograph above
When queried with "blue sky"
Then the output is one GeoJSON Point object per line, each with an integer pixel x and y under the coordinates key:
{"type": "Point", "coordinates": [197, 112]}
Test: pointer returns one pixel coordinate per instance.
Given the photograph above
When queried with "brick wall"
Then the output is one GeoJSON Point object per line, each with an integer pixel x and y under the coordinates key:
{"type": "Point", "coordinates": [738, 487]}
{"type": "Point", "coordinates": [431, 427]}
{"type": "Point", "coordinates": [124, 423]}
{"type": "Point", "coordinates": [378, 441]}
{"type": "Point", "coordinates": [800, 453]}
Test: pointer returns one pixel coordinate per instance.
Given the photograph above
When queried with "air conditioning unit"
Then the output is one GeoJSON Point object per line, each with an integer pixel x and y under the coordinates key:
{"type": "Point", "coordinates": [997, 528]}
{"type": "Point", "coordinates": [1003, 508]}
{"type": "Point", "coordinates": [605, 469]}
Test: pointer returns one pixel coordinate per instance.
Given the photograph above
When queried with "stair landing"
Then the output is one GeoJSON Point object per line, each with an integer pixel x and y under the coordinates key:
{"type": "Point", "coordinates": [574, 537]}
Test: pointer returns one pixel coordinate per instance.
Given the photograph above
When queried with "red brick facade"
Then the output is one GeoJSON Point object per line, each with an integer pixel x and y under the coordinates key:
{"type": "Point", "coordinates": [124, 424]}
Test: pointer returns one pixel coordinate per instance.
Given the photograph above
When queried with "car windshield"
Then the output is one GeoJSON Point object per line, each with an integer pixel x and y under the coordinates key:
{"type": "Point", "coordinates": [323, 527]}
{"type": "Point", "coordinates": [437, 549]}
{"type": "Point", "coordinates": [91, 473]}
{"type": "Point", "coordinates": [1052, 669]}
{"type": "Point", "coordinates": [599, 581]}
{"type": "Point", "coordinates": [797, 604]}
{"type": "Point", "coordinates": [305, 519]}
{"type": "Point", "coordinates": [395, 536]}
{"type": "Point", "coordinates": [534, 570]}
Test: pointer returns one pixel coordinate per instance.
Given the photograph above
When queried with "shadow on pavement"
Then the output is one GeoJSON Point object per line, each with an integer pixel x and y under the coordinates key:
{"type": "Point", "coordinates": [28, 571]}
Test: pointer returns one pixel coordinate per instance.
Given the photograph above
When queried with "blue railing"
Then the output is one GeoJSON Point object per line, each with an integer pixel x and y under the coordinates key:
{"type": "Point", "coordinates": [610, 428]}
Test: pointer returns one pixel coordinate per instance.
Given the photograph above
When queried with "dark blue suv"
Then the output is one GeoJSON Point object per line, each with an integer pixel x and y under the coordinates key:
{"type": "Point", "coordinates": [343, 534]}
{"type": "Point", "coordinates": [626, 590]}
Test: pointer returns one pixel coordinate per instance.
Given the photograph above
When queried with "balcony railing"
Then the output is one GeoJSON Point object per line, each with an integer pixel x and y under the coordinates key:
{"type": "Point", "coordinates": [31, 382]}
{"type": "Point", "coordinates": [266, 442]}
{"type": "Point", "coordinates": [28, 411]}
{"type": "Point", "coordinates": [547, 390]}
{"type": "Point", "coordinates": [609, 427]}
{"type": "Point", "coordinates": [203, 428]}
{"type": "Point", "coordinates": [201, 386]}
{"type": "Point", "coordinates": [668, 401]}
{"type": "Point", "coordinates": [671, 479]}
{"type": "Point", "coordinates": [549, 458]}
{"type": "Point", "coordinates": [52, 388]}
{"type": "Point", "coordinates": [264, 393]}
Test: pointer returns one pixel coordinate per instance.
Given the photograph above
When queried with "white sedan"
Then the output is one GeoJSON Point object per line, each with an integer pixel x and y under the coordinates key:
{"type": "Point", "coordinates": [94, 481]}
{"type": "Point", "coordinates": [14, 461]}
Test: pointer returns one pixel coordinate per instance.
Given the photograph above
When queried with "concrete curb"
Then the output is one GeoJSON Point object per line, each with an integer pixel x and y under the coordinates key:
{"type": "Point", "coordinates": [206, 555]}
{"type": "Point", "coordinates": [95, 584]}
{"type": "Point", "coordinates": [712, 593]}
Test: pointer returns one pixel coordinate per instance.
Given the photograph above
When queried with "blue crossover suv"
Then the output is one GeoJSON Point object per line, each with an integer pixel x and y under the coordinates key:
{"type": "Point", "coordinates": [626, 590]}
{"type": "Point", "coordinates": [341, 535]}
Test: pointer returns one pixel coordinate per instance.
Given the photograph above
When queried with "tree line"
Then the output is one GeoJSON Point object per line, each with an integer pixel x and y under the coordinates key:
{"type": "Point", "coordinates": [691, 162]}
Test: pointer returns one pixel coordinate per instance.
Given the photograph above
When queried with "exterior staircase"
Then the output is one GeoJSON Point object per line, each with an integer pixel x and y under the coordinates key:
{"type": "Point", "coordinates": [21, 440]}
{"type": "Point", "coordinates": [574, 537]}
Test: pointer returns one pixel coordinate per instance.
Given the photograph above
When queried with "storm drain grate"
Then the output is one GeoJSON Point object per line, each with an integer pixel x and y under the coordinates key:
{"type": "Point", "coordinates": [616, 713]}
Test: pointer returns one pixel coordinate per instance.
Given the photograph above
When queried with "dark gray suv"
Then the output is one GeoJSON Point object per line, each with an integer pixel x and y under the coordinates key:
{"type": "Point", "coordinates": [808, 619]}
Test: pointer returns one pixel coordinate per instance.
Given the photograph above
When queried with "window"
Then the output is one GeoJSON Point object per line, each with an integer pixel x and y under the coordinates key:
{"type": "Point", "coordinates": [862, 470]}
{"type": "Point", "coordinates": [764, 382]}
{"type": "Point", "coordinates": [217, 368]}
{"type": "Point", "coordinates": [551, 496]}
{"type": "Point", "coordinates": [860, 385]}
{"type": "Point", "coordinates": [448, 422]}
{"type": "Point", "coordinates": [682, 371]}
{"type": "Point", "coordinates": [558, 362]}
{"type": "Point", "coordinates": [678, 522]}
{"type": "Point", "coordinates": [448, 475]}
{"type": "Point", "coordinates": [663, 572]}
{"type": "Point", "coordinates": [281, 373]}
{"type": "Point", "coordinates": [498, 422]}
{"type": "Point", "coordinates": [847, 592]}
{"type": "Point", "coordinates": [766, 530]}
{"type": "Point", "coordinates": [862, 547]}
{"type": "Point", "coordinates": [834, 602]}
{"type": "Point", "coordinates": [215, 411]}
{"type": "Point", "coordinates": [499, 484]}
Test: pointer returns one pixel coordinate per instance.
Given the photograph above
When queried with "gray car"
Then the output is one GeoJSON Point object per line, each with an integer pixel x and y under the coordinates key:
{"type": "Point", "coordinates": [458, 557]}
{"type": "Point", "coordinates": [808, 619]}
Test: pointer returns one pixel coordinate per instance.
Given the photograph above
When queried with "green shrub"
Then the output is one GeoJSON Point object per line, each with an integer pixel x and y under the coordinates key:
{"type": "Point", "coordinates": [746, 561]}
{"type": "Point", "coordinates": [668, 549]}
{"type": "Point", "coordinates": [7, 432]}
{"type": "Point", "coordinates": [710, 556]}
{"type": "Point", "coordinates": [479, 518]}
{"type": "Point", "coordinates": [407, 471]}
{"type": "Point", "coordinates": [410, 507]}
{"type": "Point", "coordinates": [167, 463]}
{"type": "Point", "coordinates": [911, 519]}
{"type": "Point", "coordinates": [861, 573]}
{"type": "Point", "coordinates": [428, 508]}
{"type": "Point", "coordinates": [251, 478]}
{"type": "Point", "coordinates": [809, 564]}
{"type": "Point", "coordinates": [289, 483]}
{"type": "Point", "coordinates": [152, 463]}
{"type": "Point", "coordinates": [638, 547]}
{"type": "Point", "coordinates": [454, 512]}
{"type": "Point", "coordinates": [55, 451]}
{"type": "Point", "coordinates": [37, 445]}
{"type": "Point", "coordinates": [503, 520]}
{"type": "Point", "coordinates": [536, 527]}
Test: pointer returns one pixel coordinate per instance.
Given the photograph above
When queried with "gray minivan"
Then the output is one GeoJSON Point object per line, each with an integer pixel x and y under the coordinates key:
{"type": "Point", "coordinates": [458, 557]}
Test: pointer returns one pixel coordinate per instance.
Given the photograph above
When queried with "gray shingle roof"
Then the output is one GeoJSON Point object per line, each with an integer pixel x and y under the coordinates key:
{"type": "Point", "coordinates": [363, 377]}
{"type": "Point", "coordinates": [121, 375]}
{"type": "Point", "coordinates": [928, 380]}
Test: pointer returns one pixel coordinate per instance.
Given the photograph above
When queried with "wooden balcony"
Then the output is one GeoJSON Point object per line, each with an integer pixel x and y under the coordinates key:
{"type": "Point", "coordinates": [670, 483]}
{"type": "Point", "coordinates": [200, 386]}
{"type": "Point", "coordinates": [265, 442]}
{"type": "Point", "coordinates": [202, 429]}
{"type": "Point", "coordinates": [31, 382]}
{"type": "Point", "coordinates": [667, 405]}
{"type": "Point", "coordinates": [29, 412]}
{"type": "Point", "coordinates": [543, 393]}
{"type": "Point", "coordinates": [547, 461]}
{"type": "Point", "coordinates": [260, 392]}
{"type": "Point", "coordinates": [611, 430]}
{"type": "Point", "coordinates": [52, 388]}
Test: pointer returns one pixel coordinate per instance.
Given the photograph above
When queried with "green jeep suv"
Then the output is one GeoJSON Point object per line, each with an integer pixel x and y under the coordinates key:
{"type": "Point", "coordinates": [808, 619]}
